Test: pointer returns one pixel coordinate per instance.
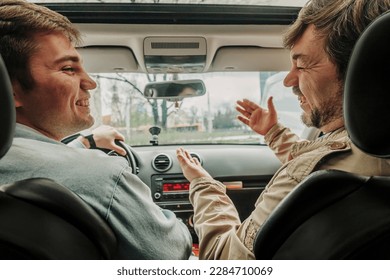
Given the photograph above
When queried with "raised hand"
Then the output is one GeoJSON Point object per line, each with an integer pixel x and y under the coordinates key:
{"type": "Point", "coordinates": [257, 118]}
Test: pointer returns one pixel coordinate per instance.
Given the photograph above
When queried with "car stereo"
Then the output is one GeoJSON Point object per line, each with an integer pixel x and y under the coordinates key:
{"type": "Point", "coordinates": [172, 192]}
{"type": "Point", "coordinates": [167, 188]}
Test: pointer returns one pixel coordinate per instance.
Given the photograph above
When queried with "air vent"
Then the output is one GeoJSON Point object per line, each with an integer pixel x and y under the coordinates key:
{"type": "Point", "coordinates": [162, 162]}
{"type": "Point", "coordinates": [175, 45]}
{"type": "Point", "coordinates": [197, 156]}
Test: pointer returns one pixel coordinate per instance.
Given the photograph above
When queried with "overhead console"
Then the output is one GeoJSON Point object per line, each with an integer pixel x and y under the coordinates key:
{"type": "Point", "coordinates": [175, 54]}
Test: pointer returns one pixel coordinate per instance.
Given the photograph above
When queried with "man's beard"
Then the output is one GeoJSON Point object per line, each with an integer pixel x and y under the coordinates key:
{"type": "Point", "coordinates": [319, 117]}
{"type": "Point", "coordinates": [329, 110]}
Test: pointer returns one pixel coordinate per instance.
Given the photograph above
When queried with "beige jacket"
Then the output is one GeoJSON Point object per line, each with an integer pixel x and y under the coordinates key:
{"type": "Point", "coordinates": [221, 233]}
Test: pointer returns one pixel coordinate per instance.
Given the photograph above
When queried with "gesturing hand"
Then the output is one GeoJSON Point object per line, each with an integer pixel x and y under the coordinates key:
{"type": "Point", "coordinates": [257, 118]}
{"type": "Point", "coordinates": [190, 166]}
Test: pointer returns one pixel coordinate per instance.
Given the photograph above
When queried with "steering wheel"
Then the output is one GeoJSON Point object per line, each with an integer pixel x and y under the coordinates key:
{"type": "Point", "coordinates": [129, 152]}
{"type": "Point", "coordinates": [129, 155]}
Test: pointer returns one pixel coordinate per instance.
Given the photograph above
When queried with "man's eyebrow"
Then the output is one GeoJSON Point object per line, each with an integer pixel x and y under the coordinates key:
{"type": "Point", "coordinates": [68, 58]}
{"type": "Point", "coordinates": [297, 56]}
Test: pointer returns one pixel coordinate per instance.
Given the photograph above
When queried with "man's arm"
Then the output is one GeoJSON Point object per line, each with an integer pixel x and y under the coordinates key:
{"type": "Point", "coordinates": [144, 230]}
{"type": "Point", "coordinates": [222, 235]}
{"type": "Point", "coordinates": [217, 222]}
{"type": "Point", "coordinates": [281, 140]}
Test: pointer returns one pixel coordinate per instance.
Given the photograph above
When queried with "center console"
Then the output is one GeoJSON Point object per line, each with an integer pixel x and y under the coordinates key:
{"type": "Point", "coordinates": [171, 192]}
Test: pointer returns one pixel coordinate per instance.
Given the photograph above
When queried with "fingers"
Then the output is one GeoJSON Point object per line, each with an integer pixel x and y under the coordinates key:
{"type": "Point", "coordinates": [181, 156]}
{"type": "Point", "coordinates": [119, 150]}
{"type": "Point", "coordinates": [243, 111]}
{"type": "Point", "coordinates": [244, 117]}
{"type": "Point", "coordinates": [108, 132]}
{"type": "Point", "coordinates": [248, 105]}
{"type": "Point", "coordinates": [105, 137]}
{"type": "Point", "coordinates": [251, 105]}
{"type": "Point", "coordinates": [119, 136]}
{"type": "Point", "coordinates": [190, 166]}
{"type": "Point", "coordinates": [188, 156]}
{"type": "Point", "coordinates": [185, 156]}
{"type": "Point", "coordinates": [246, 108]}
{"type": "Point", "coordinates": [243, 120]}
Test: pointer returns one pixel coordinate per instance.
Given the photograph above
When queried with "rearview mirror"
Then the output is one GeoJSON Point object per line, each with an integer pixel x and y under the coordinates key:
{"type": "Point", "coordinates": [174, 90]}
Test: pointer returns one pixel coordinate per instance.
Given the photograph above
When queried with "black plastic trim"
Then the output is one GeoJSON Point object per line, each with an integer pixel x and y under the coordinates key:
{"type": "Point", "coordinates": [174, 14]}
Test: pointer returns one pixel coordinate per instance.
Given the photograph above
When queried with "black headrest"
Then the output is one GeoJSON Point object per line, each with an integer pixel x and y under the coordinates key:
{"type": "Point", "coordinates": [7, 110]}
{"type": "Point", "coordinates": [367, 90]}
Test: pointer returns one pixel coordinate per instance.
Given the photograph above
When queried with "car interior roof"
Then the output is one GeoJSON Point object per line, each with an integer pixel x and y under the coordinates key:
{"type": "Point", "coordinates": [238, 38]}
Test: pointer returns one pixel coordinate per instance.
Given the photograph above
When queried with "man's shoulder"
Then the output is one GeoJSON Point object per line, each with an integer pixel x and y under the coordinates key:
{"type": "Point", "coordinates": [56, 156]}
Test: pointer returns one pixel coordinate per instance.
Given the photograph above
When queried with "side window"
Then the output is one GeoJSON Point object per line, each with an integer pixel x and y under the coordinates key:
{"type": "Point", "coordinates": [286, 103]}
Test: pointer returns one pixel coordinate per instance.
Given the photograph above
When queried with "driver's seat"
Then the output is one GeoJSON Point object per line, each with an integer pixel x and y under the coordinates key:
{"type": "Point", "coordinates": [40, 219]}
{"type": "Point", "coordinates": [334, 214]}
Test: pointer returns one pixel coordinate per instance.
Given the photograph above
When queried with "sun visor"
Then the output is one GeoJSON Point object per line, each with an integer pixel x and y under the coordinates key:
{"type": "Point", "coordinates": [175, 54]}
{"type": "Point", "coordinates": [108, 59]}
{"type": "Point", "coordinates": [241, 58]}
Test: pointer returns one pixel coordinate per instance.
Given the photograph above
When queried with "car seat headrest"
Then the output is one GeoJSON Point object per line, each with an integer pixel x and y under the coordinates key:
{"type": "Point", "coordinates": [367, 90]}
{"type": "Point", "coordinates": [7, 110]}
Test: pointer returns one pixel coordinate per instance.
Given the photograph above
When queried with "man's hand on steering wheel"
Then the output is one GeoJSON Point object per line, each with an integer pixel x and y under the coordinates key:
{"type": "Point", "coordinates": [104, 137]}
{"type": "Point", "coordinates": [108, 140]}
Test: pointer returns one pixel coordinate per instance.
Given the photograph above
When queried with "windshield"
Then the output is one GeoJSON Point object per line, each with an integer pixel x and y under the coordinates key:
{"type": "Point", "coordinates": [118, 101]}
{"type": "Point", "coordinates": [291, 3]}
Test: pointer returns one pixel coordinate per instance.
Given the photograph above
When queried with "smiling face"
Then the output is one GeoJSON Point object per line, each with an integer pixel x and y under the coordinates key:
{"type": "Point", "coordinates": [57, 104]}
{"type": "Point", "coordinates": [313, 78]}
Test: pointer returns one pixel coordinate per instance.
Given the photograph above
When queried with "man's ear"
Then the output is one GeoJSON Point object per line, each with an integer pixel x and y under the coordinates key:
{"type": "Point", "coordinates": [17, 94]}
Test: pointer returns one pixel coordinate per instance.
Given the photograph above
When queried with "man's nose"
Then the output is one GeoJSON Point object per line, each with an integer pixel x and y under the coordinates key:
{"type": "Point", "coordinates": [291, 79]}
{"type": "Point", "coordinates": [87, 82]}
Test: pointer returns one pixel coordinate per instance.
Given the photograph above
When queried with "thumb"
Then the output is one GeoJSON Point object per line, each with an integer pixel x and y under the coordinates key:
{"type": "Point", "coordinates": [270, 105]}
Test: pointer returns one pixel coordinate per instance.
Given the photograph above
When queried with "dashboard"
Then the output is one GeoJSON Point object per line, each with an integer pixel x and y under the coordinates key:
{"type": "Point", "coordinates": [244, 169]}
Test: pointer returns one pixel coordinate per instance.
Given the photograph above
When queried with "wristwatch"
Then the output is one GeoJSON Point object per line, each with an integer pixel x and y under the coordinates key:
{"type": "Point", "coordinates": [89, 136]}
